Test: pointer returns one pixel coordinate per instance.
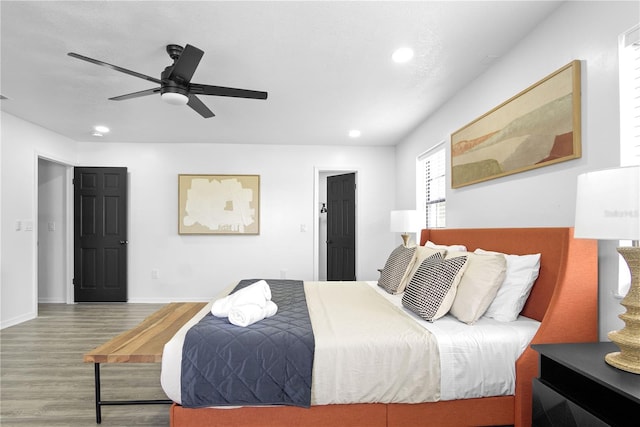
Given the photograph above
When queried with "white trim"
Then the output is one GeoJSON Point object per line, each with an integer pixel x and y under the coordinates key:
{"type": "Point", "coordinates": [19, 319]}
{"type": "Point", "coordinates": [68, 244]}
{"type": "Point", "coordinates": [431, 150]}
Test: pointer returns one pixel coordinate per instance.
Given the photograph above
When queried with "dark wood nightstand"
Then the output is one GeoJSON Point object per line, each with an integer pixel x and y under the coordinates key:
{"type": "Point", "coordinates": [578, 388]}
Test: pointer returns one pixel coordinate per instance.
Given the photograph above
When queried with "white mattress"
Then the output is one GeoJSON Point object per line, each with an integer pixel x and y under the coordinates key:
{"type": "Point", "coordinates": [475, 361]}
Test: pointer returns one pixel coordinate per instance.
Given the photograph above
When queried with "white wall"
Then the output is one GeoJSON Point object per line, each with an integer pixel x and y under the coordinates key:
{"type": "Point", "coordinates": [586, 31]}
{"type": "Point", "coordinates": [22, 144]}
{"type": "Point", "coordinates": [191, 267]}
{"type": "Point", "coordinates": [197, 267]}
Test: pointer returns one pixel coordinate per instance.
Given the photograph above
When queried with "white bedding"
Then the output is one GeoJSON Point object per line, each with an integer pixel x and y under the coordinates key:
{"type": "Point", "coordinates": [475, 361]}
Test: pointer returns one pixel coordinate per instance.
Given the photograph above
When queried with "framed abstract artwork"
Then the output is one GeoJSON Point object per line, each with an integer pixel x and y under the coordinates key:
{"type": "Point", "coordinates": [219, 204]}
{"type": "Point", "coordinates": [540, 126]}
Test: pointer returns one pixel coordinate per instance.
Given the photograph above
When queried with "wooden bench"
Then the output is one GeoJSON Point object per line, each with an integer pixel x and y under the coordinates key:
{"type": "Point", "coordinates": [142, 344]}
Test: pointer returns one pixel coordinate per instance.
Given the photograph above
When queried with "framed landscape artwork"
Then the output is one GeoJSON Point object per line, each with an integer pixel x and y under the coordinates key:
{"type": "Point", "coordinates": [219, 204]}
{"type": "Point", "coordinates": [539, 126]}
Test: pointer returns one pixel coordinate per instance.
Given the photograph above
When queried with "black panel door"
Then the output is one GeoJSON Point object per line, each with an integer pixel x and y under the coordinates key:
{"type": "Point", "coordinates": [341, 227]}
{"type": "Point", "coordinates": [100, 234]}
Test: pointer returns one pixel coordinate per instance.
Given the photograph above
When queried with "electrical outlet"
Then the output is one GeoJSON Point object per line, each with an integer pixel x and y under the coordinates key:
{"type": "Point", "coordinates": [155, 274]}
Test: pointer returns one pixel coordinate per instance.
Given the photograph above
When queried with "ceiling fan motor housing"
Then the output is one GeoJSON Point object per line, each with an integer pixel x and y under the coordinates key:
{"type": "Point", "coordinates": [173, 92]}
{"type": "Point", "coordinates": [174, 51]}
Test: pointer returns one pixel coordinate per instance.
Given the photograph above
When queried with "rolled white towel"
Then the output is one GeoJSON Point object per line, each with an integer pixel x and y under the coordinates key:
{"type": "Point", "coordinates": [256, 293]}
{"type": "Point", "coordinates": [270, 309]}
{"type": "Point", "coordinates": [248, 314]}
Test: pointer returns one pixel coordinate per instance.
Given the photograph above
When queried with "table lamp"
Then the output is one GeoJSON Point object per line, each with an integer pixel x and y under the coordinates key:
{"type": "Point", "coordinates": [404, 222]}
{"type": "Point", "coordinates": [607, 206]}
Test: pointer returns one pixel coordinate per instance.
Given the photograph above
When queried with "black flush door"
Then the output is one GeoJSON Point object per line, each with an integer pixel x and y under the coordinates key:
{"type": "Point", "coordinates": [341, 227]}
{"type": "Point", "coordinates": [100, 234]}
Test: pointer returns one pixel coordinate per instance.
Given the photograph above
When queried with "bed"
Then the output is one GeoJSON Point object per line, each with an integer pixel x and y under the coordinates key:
{"type": "Point", "coordinates": [562, 305]}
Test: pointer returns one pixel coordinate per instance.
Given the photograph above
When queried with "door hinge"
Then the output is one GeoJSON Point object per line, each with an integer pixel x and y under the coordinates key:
{"type": "Point", "coordinates": [73, 281]}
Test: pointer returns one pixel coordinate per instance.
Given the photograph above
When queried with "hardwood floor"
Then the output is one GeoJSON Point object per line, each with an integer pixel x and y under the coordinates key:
{"type": "Point", "coordinates": [43, 381]}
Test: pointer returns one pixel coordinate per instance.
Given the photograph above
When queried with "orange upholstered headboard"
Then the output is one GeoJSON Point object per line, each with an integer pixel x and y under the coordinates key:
{"type": "Point", "coordinates": [563, 258]}
{"type": "Point", "coordinates": [564, 298]}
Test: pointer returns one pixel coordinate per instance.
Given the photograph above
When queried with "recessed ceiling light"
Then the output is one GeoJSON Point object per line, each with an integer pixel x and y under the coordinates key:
{"type": "Point", "coordinates": [101, 129]}
{"type": "Point", "coordinates": [402, 55]}
{"type": "Point", "coordinates": [354, 133]}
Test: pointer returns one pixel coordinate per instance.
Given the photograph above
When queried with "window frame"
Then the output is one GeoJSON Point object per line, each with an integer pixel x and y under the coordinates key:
{"type": "Point", "coordinates": [629, 80]}
{"type": "Point", "coordinates": [423, 193]}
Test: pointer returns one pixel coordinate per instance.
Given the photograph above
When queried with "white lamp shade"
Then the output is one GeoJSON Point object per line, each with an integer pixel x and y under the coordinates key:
{"type": "Point", "coordinates": [404, 221]}
{"type": "Point", "coordinates": [607, 204]}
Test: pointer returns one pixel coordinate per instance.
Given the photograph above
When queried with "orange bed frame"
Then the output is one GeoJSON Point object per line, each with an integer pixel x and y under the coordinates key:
{"type": "Point", "coordinates": [564, 299]}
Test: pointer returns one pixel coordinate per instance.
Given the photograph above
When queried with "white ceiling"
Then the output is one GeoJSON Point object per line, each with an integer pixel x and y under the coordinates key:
{"type": "Point", "coordinates": [325, 64]}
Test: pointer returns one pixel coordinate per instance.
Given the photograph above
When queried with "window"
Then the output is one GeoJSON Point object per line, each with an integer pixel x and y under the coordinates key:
{"type": "Point", "coordinates": [431, 186]}
{"type": "Point", "coordinates": [629, 54]}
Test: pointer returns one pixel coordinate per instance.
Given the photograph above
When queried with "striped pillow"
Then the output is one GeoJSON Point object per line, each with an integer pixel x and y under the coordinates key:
{"type": "Point", "coordinates": [432, 289]}
{"type": "Point", "coordinates": [395, 268]}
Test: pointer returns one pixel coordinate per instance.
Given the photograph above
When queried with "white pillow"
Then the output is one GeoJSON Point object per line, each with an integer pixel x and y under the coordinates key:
{"type": "Point", "coordinates": [479, 284]}
{"type": "Point", "coordinates": [522, 272]}
{"type": "Point", "coordinates": [459, 248]}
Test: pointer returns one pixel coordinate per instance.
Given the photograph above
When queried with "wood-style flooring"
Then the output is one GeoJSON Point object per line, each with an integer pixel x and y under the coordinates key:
{"type": "Point", "coordinates": [43, 381]}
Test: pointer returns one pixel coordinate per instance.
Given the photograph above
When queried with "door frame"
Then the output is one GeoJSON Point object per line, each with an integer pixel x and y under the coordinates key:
{"type": "Point", "coordinates": [317, 170]}
{"type": "Point", "coordinates": [68, 220]}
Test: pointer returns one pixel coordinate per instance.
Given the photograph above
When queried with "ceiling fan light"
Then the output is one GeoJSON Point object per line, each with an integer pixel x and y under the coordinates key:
{"type": "Point", "coordinates": [175, 98]}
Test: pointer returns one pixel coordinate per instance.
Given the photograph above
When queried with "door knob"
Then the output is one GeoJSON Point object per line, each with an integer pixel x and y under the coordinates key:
{"type": "Point", "coordinates": [124, 242]}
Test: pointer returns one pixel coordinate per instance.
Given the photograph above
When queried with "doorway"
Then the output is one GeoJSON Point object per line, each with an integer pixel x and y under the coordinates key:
{"type": "Point", "coordinates": [321, 217]}
{"type": "Point", "coordinates": [54, 231]}
{"type": "Point", "coordinates": [100, 234]}
{"type": "Point", "coordinates": [341, 232]}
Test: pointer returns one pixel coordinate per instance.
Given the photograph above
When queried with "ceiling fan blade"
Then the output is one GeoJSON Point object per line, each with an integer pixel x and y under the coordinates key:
{"type": "Point", "coordinates": [114, 67]}
{"type": "Point", "coordinates": [226, 91]}
{"type": "Point", "coordinates": [199, 107]}
{"type": "Point", "coordinates": [136, 94]}
{"type": "Point", "coordinates": [186, 64]}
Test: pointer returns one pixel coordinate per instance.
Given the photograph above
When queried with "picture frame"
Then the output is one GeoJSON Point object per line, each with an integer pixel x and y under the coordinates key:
{"type": "Point", "coordinates": [539, 126]}
{"type": "Point", "coordinates": [218, 204]}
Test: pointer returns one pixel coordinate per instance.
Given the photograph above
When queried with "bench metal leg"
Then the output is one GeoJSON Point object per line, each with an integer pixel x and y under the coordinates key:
{"type": "Point", "coordinates": [96, 369]}
{"type": "Point", "coordinates": [100, 403]}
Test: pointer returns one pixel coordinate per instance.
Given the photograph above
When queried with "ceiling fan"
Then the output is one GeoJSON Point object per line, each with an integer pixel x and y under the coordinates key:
{"type": "Point", "coordinates": [175, 81]}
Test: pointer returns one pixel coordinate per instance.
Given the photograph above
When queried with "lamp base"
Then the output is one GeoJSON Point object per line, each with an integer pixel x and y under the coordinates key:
{"type": "Point", "coordinates": [405, 238]}
{"type": "Point", "coordinates": [628, 338]}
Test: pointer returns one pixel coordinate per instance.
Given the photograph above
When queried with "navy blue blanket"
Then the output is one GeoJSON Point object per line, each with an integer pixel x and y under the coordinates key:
{"type": "Point", "coordinates": [266, 363]}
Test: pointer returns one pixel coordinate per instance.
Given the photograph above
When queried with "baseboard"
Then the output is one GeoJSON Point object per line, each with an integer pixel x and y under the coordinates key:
{"type": "Point", "coordinates": [17, 320]}
{"type": "Point", "coordinates": [51, 301]}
